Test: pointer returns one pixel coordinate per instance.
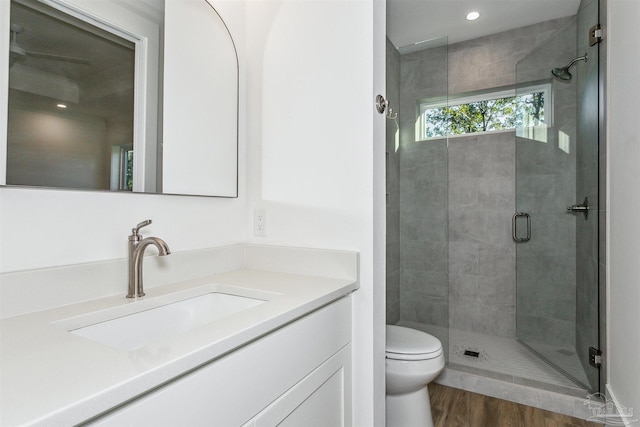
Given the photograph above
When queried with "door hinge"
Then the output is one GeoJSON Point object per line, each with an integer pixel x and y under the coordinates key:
{"type": "Point", "coordinates": [595, 35]}
{"type": "Point", "coordinates": [595, 357]}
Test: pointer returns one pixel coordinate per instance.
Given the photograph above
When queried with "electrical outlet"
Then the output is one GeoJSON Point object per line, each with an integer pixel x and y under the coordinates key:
{"type": "Point", "coordinates": [259, 222]}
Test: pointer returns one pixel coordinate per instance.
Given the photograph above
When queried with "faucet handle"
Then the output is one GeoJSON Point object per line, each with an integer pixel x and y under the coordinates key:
{"type": "Point", "coordinates": [135, 230]}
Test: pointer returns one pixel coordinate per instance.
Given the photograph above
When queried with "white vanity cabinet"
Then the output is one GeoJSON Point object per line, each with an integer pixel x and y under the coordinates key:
{"type": "Point", "coordinates": [299, 374]}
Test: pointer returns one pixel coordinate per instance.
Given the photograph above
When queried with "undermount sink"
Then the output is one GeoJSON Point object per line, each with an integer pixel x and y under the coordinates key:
{"type": "Point", "coordinates": [136, 330]}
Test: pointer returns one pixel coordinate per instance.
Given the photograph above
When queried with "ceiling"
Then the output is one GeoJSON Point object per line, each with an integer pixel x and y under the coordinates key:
{"type": "Point", "coordinates": [101, 87]}
{"type": "Point", "coordinates": [413, 21]}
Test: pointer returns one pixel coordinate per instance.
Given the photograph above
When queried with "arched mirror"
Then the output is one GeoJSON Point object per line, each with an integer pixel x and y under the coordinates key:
{"type": "Point", "coordinates": [138, 96]}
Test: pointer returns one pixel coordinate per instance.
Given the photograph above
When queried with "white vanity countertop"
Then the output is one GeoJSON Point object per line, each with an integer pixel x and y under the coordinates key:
{"type": "Point", "coordinates": [51, 376]}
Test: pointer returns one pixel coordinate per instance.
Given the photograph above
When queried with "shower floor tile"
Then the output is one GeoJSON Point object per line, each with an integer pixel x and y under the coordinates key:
{"type": "Point", "coordinates": [507, 359]}
{"type": "Point", "coordinates": [506, 356]}
{"type": "Point", "coordinates": [566, 359]}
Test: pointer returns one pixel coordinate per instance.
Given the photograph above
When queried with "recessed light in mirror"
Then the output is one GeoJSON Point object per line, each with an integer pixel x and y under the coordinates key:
{"type": "Point", "coordinates": [61, 106]}
{"type": "Point", "coordinates": [472, 16]}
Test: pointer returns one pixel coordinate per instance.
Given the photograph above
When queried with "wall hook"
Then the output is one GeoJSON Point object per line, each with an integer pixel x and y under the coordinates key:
{"type": "Point", "coordinates": [382, 105]}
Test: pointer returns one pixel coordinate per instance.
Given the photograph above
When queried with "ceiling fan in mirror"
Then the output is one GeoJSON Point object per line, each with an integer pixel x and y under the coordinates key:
{"type": "Point", "coordinates": [18, 53]}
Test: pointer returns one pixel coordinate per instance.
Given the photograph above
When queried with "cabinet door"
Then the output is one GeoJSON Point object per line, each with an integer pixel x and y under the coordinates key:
{"type": "Point", "coordinates": [231, 390]}
{"type": "Point", "coordinates": [321, 399]}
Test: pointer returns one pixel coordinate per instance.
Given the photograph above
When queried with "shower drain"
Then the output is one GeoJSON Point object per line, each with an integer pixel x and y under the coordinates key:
{"type": "Point", "coordinates": [470, 353]}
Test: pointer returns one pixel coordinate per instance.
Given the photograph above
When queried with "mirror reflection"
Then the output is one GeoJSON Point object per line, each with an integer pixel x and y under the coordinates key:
{"type": "Point", "coordinates": [71, 100]}
{"type": "Point", "coordinates": [81, 115]}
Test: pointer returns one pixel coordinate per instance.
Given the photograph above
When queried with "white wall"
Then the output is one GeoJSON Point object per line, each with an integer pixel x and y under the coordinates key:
{"type": "Point", "coordinates": [45, 228]}
{"type": "Point", "coordinates": [623, 246]}
{"type": "Point", "coordinates": [309, 73]}
{"type": "Point", "coordinates": [379, 309]}
{"type": "Point", "coordinates": [311, 152]}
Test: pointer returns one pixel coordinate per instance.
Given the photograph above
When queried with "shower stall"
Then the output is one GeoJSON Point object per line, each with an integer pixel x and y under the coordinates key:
{"type": "Point", "coordinates": [494, 228]}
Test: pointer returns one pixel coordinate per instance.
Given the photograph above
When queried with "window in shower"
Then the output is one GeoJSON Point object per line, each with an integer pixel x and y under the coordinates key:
{"type": "Point", "coordinates": [498, 110]}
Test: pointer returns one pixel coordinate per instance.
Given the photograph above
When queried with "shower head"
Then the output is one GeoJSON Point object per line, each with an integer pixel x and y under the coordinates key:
{"type": "Point", "coordinates": [563, 73]}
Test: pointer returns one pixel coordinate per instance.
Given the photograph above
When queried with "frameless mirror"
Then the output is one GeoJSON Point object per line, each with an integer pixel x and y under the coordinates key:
{"type": "Point", "coordinates": [136, 96]}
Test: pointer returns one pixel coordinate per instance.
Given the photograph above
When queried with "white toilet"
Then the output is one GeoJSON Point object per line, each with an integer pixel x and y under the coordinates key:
{"type": "Point", "coordinates": [414, 359]}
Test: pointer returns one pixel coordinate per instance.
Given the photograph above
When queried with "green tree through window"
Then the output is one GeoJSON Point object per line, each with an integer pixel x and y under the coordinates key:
{"type": "Point", "coordinates": [129, 171]}
{"type": "Point", "coordinates": [485, 115]}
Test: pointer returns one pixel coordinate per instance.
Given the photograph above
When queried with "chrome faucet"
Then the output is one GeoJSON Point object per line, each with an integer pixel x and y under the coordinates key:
{"type": "Point", "coordinates": [137, 245]}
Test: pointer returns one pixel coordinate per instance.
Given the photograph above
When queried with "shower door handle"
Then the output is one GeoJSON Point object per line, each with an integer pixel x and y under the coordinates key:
{"type": "Point", "coordinates": [514, 221]}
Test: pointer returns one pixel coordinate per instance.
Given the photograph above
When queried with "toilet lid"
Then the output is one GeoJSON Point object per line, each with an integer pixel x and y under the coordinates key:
{"type": "Point", "coordinates": [411, 344]}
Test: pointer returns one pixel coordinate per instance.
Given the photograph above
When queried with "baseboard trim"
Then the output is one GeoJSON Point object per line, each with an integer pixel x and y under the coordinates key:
{"type": "Point", "coordinates": [614, 413]}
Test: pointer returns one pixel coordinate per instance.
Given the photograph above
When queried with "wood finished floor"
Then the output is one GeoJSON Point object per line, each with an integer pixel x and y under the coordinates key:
{"type": "Point", "coordinates": [452, 407]}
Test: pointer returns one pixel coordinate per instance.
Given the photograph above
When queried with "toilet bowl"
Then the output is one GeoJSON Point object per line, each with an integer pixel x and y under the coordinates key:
{"type": "Point", "coordinates": [413, 359]}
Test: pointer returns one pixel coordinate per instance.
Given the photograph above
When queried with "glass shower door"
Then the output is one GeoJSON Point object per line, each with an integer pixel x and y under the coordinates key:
{"type": "Point", "coordinates": [556, 221]}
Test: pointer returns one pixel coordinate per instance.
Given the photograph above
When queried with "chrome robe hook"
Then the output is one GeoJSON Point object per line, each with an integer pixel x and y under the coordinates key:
{"type": "Point", "coordinates": [382, 105]}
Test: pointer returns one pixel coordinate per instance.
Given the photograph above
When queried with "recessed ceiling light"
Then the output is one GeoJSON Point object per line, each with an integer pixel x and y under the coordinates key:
{"type": "Point", "coordinates": [472, 16]}
{"type": "Point", "coordinates": [61, 106]}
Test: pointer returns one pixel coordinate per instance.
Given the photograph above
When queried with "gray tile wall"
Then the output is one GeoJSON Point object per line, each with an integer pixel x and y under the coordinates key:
{"type": "Point", "coordinates": [545, 186]}
{"type": "Point", "coordinates": [490, 61]}
{"type": "Point", "coordinates": [482, 186]}
{"type": "Point", "coordinates": [423, 233]}
{"type": "Point", "coordinates": [423, 195]}
{"type": "Point", "coordinates": [481, 251]}
{"type": "Point", "coordinates": [457, 259]}
{"type": "Point", "coordinates": [393, 189]}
